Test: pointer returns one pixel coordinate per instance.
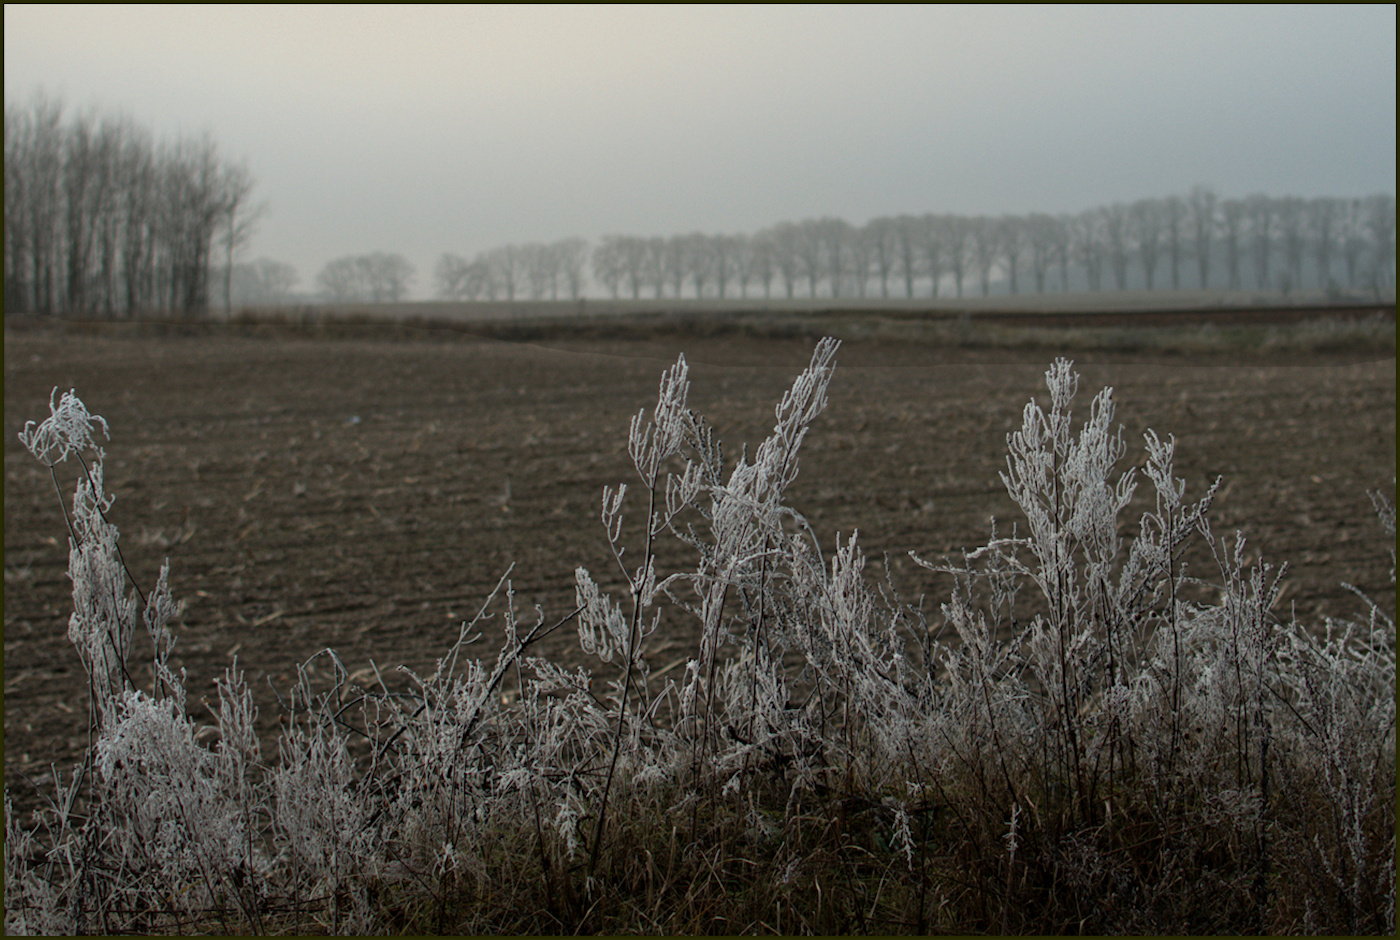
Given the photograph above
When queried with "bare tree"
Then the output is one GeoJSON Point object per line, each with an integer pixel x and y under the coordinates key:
{"type": "Point", "coordinates": [862, 257]}
{"type": "Point", "coordinates": [1259, 211]}
{"type": "Point", "coordinates": [1200, 205]}
{"type": "Point", "coordinates": [782, 241]}
{"type": "Point", "coordinates": [1089, 235]}
{"type": "Point", "coordinates": [544, 265]}
{"type": "Point", "coordinates": [1323, 221]}
{"type": "Point", "coordinates": [480, 279]}
{"type": "Point", "coordinates": [391, 275]}
{"type": "Point", "coordinates": [16, 269]}
{"type": "Point", "coordinates": [1012, 243]}
{"type": "Point", "coordinates": [571, 255]}
{"type": "Point", "coordinates": [932, 244]}
{"type": "Point", "coordinates": [37, 165]}
{"type": "Point", "coordinates": [634, 259]}
{"type": "Point", "coordinates": [240, 221]}
{"type": "Point", "coordinates": [262, 283]}
{"type": "Point", "coordinates": [1353, 238]}
{"type": "Point", "coordinates": [762, 258]}
{"type": "Point", "coordinates": [374, 278]}
{"type": "Point", "coordinates": [1040, 238]}
{"type": "Point", "coordinates": [139, 186]}
{"type": "Point", "coordinates": [1233, 215]}
{"type": "Point", "coordinates": [741, 247]}
{"type": "Point", "coordinates": [909, 232]}
{"type": "Point", "coordinates": [704, 263]}
{"type": "Point", "coordinates": [107, 216]}
{"type": "Point", "coordinates": [1061, 240]}
{"type": "Point", "coordinates": [726, 260]}
{"type": "Point", "coordinates": [608, 264]}
{"type": "Point", "coordinates": [677, 262]}
{"type": "Point", "coordinates": [1380, 226]}
{"type": "Point", "coordinates": [809, 253]}
{"type": "Point", "coordinates": [341, 281]}
{"type": "Point", "coordinates": [556, 271]}
{"type": "Point", "coordinates": [79, 178]}
{"type": "Point", "coordinates": [986, 247]}
{"type": "Point", "coordinates": [538, 268]}
{"type": "Point", "coordinates": [880, 236]}
{"type": "Point", "coordinates": [46, 166]}
{"type": "Point", "coordinates": [1011, 234]}
{"type": "Point", "coordinates": [195, 208]}
{"type": "Point", "coordinates": [450, 277]}
{"type": "Point", "coordinates": [1145, 218]}
{"type": "Point", "coordinates": [654, 265]}
{"type": "Point", "coordinates": [957, 236]}
{"type": "Point", "coordinates": [276, 279]}
{"type": "Point", "coordinates": [19, 208]}
{"type": "Point", "coordinates": [1173, 213]}
{"type": "Point", "coordinates": [506, 270]}
{"type": "Point", "coordinates": [832, 243]}
{"type": "Point", "coordinates": [1289, 213]}
{"type": "Point", "coordinates": [1115, 239]}
{"type": "Point", "coordinates": [699, 261]}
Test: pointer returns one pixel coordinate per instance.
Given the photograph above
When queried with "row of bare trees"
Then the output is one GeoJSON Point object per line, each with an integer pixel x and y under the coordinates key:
{"type": "Point", "coordinates": [374, 278]}
{"type": "Point", "coordinates": [262, 282]}
{"type": "Point", "coordinates": [100, 218]}
{"type": "Point", "coordinates": [1197, 240]}
{"type": "Point", "coordinates": [514, 272]}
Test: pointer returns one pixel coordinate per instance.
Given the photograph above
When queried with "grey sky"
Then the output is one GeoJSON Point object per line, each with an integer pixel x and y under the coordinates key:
{"type": "Point", "coordinates": [429, 129]}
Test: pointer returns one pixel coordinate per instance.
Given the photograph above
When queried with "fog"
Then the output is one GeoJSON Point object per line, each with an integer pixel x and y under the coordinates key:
{"type": "Point", "coordinates": [424, 130]}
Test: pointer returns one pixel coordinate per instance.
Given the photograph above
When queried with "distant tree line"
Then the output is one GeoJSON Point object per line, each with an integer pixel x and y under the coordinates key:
{"type": "Point", "coordinates": [1196, 240]}
{"type": "Point", "coordinates": [102, 219]}
{"type": "Point", "coordinates": [372, 278]}
{"type": "Point", "coordinates": [260, 283]}
{"type": "Point", "coordinates": [515, 272]}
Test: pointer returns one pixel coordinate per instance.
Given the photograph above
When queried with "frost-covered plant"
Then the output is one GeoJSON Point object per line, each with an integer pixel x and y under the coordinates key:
{"type": "Point", "coordinates": [761, 587]}
{"type": "Point", "coordinates": [1048, 699]}
{"type": "Point", "coordinates": [182, 816]}
{"type": "Point", "coordinates": [67, 431]}
{"type": "Point", "coordinates": [1123, 703]}
{"type": "Point", "coordinates": [34, 905]}
{"type": "Point", "coordinates": [1088, 716]}
{"type": "Point", "coordinates": [1340, 688]}
{"type": "Point", "coordinates": [169, 824]}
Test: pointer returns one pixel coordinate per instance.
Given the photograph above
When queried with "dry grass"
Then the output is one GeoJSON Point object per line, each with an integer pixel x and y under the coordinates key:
{"type": "Point", "coordinates": [1324, 330]}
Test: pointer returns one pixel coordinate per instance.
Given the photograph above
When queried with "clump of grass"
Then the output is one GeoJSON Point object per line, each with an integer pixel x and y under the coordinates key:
{"type": "Point", "coordinates": [1086, 738]}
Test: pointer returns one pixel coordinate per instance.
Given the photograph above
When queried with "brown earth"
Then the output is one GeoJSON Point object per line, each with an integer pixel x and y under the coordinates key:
{"type": "Point", "coordinates": [367, 495]}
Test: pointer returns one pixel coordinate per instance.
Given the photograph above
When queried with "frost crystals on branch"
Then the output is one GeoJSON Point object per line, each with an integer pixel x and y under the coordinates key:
{"type": "Point", "coordinates": [68, 429]}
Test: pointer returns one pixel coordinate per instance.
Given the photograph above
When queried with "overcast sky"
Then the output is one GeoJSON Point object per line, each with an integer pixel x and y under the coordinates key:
{"type": "Point", "coordinates": [430, 129]}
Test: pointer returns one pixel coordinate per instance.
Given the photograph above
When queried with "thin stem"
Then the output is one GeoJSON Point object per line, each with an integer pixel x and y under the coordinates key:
{"type": "Point", "coordinates": [634, 639]}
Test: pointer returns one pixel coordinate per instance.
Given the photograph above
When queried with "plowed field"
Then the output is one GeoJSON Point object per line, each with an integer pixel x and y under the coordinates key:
{"type": "Point", "coordinates": [367, 495]}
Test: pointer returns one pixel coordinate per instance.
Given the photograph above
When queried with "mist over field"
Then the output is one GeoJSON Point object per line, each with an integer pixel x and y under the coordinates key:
{"type": "Point", "coordinates": [420, 133]}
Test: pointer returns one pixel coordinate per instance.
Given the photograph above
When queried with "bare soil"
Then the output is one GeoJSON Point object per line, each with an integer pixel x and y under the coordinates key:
{"type": "Point", "coordinates": [367, 495]}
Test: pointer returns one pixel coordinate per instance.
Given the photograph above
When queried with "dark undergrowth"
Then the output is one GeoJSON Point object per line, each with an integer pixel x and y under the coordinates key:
{"type": "Point", "coordinates": [1325, 331]}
